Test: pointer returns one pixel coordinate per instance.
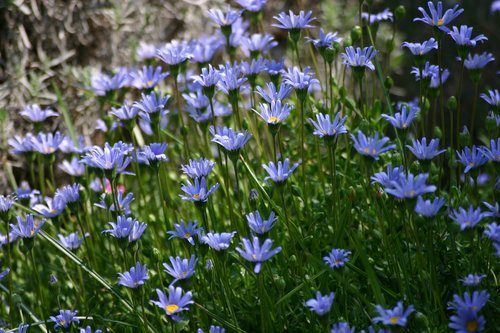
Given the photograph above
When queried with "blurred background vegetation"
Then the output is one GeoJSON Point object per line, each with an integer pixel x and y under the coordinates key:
{"type": "Point", "coordinates": [50, 45]}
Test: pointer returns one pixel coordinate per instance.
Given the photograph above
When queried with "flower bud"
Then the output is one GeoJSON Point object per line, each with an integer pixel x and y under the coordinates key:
{"type": "Point", "coordinates": [452, 103]}
{"type": "Point", "coordinates": [400, 12]}
{"type": "Point", "coordinates": [356, 33]}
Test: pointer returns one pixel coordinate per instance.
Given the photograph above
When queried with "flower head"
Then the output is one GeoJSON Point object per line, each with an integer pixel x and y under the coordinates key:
{"type": "Point", "coordinates": [64, 319]}
{"type": "Point", "coordinates": [428, 208]}
{"type": "Point", "coordinates": [342, 327]}
{"type": "Point", "coordinates": [410, 186]}
{"type": "Point", "coordinates": [231, 78]}
{"type": "Point", "coordinates": [174, 53]}
{"type": "Point", "coordinates": [251, 6]}
{"type": "Point", "coordinates": [197, 168]}
{"type": "Point", "coordinates": [472, 279]}
{"type": "Point", "coordinates": [420, 49]}
{"type": "Point", "coordinates": [324, 40]}
{"type": "Point", "coordinates": [337, 258]}
{"type": "Point", "coordinates": [478, 61]}
{"type": "Point", "coordinates": [46, 144]}
{"type": "Point", "coordinates": [359, 57]}
{"type": "Point", "coordinates": [395, 317]}
{"type": "Point", "coordinates": [135, 277]}
{"type": "Point", "coordinates": [385, 15]}
{"type": "Point", "coordinates": [279, 174]}
{"type": "Point", "coordinates": [224, 19]}
{"type": "Point", "coordinates": [424, 151]}
{"type": "Point", "coordinates": [26, 228]}
{"type": "Point", "coordinates": [74, 167]}
{"type": "Point", "coordinates": [291, 21]}
{"type": "Point", "coordinates": [463, 36]}
{"type": "Point", "coordinates": [72, 241]}
{"type": "Point", "coordinates": [300, 80]}
{"type": "Point", "coordinates": [430, 74]}
{"type": "Point", "coordinates": [209, 77]}
{"type": "Point", "coordinates": [321, 304]}
{"type": "Point", "coordinates": [257, 44]}
{"type": "Point", "coordinates": [36, 114]}
{"type": "Point", "coordinates": [467, 321]}
{"type": "Point", "coordinates": [371, 146]}
{"type": "Point", "coordinates": [404, 118]}
{"type": "Point", "coordinates": [152, 103]}
{"type": "Point", "coordinates": [148, 77]}
{"type": "Point", "coordinates": [253, 251]}
{"type": "Point", "coordinates": [197, 192]}
{"type": "Point", "coordinates": [110, 159]}
{"type": "Point", "coordinates": [230, 140]}
{"type": "Point", "coordinates": [218, 241]}
{"type": "Point", "coordinates": [185, 231]}
{"type": "Point", "coordinates": [474, 302]}
{"type": "Point", "coordinates": [493, 98]}
{"type": "Point", "coordinates": [323, 126]}
{"type": "Point", "coordinates": [386, 178]}
{"type": "Point", "coordinates": [181, 268]}
{"type": "Point", "coordinates": [258, 225]}
{"type": "Point", "coordinates": [4, 273]}
{"type": "Point", "coordinates": [175, 302]}
{"type": "Point", "coordinates": [272, 94]}
{"type": "Point", "coordinates": [127, 227]}
{"type": "Point", "coordinates": [274, 113]}
{"type": "Point", "coordinates": [466, 218]}
{"type": "Point", "coordinates": [153, 153]}
{"type": "Point", "coordinates": [436, 17]}
{"type": "Point", "coordinates": [102, 84]}
{"type": "Point", "coordinates": [492, 231]}
{"type": "Point", "coordinates": [471, 158]}
{"type": "Point", "coordinates": [68, 194]}
{"type": "Point", "coordinates": [54, 207]}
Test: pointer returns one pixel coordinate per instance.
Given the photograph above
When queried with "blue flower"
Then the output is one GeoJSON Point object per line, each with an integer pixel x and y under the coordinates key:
{"type": "Point", "coordinates": [474, 302]}
{"type": "Point", "coordinates": [185, 231]}
{"type": "Point", "coordinates": [36, 114]}
{"type": "Point", "coordinates": [430, 74]}
{"type": "Point", "coordinates": [274, 113]}
{"type": "Point", "coordinates": [463, 36]}
{"type": "Point", "coordinates": [64, 319]}
{"type": "Point", "coordinates": [493, 210]}
{"type": "Point", "coordinates": [88, 329]}
{"type": "Point", "coordinates": [135, 277]}
{"type": "Point", "coordinates": [46, 144]}
{"type": "Point", "coordinates": [213, 329]}
{"type": "Point", "coordinates": [472, 279]}
{"type": "Point", "coordinates": [466, 218]}
{"type": "Point", "coordinates": [396, 316]}
{"type": "Point", "coordinates": [359, 58]}
{"type": "Point", "coordinates": [467, 321]}
{"type": "Point", "coordinates": [231, 78]}
{"type": "Point", "coordinates": [69, 193]}
{"type": "Point", "coordinates": [145, 51]}
{"type": "Point", "coordinates": [125, 112]}
{"type": "Point", "coordinates": [280, 173]}
{"type": "Point", "coordinates": [420, 49]}
{"type": "Point", "coordinates": [273, 94]}
{"type": "Point", "coordinates": [253, 251]}
{"type": "Point", "coordinates": [253, 68]}
{"type": "Point", "coordinates": [410, 186]}
{"type": "Point", "coordinates": [21, 145]}
{"type": "Point", "coordinates": [102, 84]}
{"type": "Point", "coordinates": [428, 208]}
{"type": "Point", "coordinates": [252, 5]}
{"type": "Point", "coordinates": [402, 119]}
{"type": "Point", "coordinates": [342, 327]}
{"type": "Point", "coordinates": [337, 258]}
{"type": "Point", "coordinates": [238, 30]}
{"type": "Point", "coordinates": [324, 41]}
{"type": "Point", "coordinates": [152, 103]}
{"type": "Point", "coordinates": [478, 61]}
{"type": "Point", "coordinates": [148, 77]}
{"type": "Point", "coordinates": [386, 178]}
{"type": "Point", "coordinates": [4, 273]}
{"type": "Point", "coordinates": [174, 53]}
{"type": "Point", "coordinates": [208, 77]}
{"type": "Point", "coordinates": [26, 228]}
{"type": "Point", "coordinates": [493, 153]}
{"type": "Point", "coordinates": [126, 227]}
{"type": "Point", "coordinates": [175, 302]}
{"type": "Point", "coordinates": [181, 268]}
{"type": "Point", "coordinates": [258, 225]}
{"type": "Point", "coordinates": [218, 241]}
{"type": "Point", "coordinates": [493, 98]}
{"type": "Point", "coordinates": [436, 17]}
{"type": "Point", "coordinates": [492, 231]}
{"type": "Point", "coordinates": [230, 140]}
{"type": "Point", "coordinates": [321, 304]}
{"type": "Point", "coordinates": [224, 19]}
{"type": "Point", "coordinates": [257, 44]}
{"type": "Point", "coordinates": [291, 21]}
{"type": "Point", "coordinates": [54, 207]}
{"type": "Point", "coordinates": [197, 192]}
{"type": "Point", "coordinates": [122, 201]}
{"type": "Point", "coordinates": [424, 151]}
{"type": "Point", "coordinates": [385, 15]}
{"type": "Point", "coordinates": [110, 159]}
{"type": "Point", "coordinates": [197, 168]}
{"type": "Point", "coordinates": [6, 203]}
{"type": "Point", "coordinates": [371, 146]}
{"type": "Point", "coordinates": [153, 153]}
{"type": "Point", "coordinates": [471, 158]}
{"type": "Point", "coordinates": [274, 67]}
{"type": "Point", "coordinates": [300, 80]}
{"type": "Point", "coordinates": [72, 241]}
{"type": "Point", "coordinates": [323, 126]}
{"type": "Point", "coordinates": [204, 48]}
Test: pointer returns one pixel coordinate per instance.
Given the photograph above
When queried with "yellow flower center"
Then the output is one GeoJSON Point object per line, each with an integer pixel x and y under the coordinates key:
{"type": "Point", "coordinates": [440, 22]}
{"type": "Point", "coordinates": [394, 320]}
{"type": "Point", "coordinates": [196, 196]}
{"type": "Point", "coordinates": [471, 164]}
{"type": "Point", "coordinates": [150, 83]}
{"type": "Point", "coordinates": [273, 120]}
{"type": "Point", "coordinates": [171, 308]}
{"type": "Point", "coordinates": [366, 150]}
{"type": "Point", "coordinates": [62, 322]}
{"type": "Point", "coordinates": [254, 257]}
{"type": "Point", "coordinates": [187, 235]}
{"type": "Point", "coordinates": [471, 326]}
{"type": "Point", "coordinates": [412, 193]}
{"type": "Point", "coordinates": [374, 151]}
